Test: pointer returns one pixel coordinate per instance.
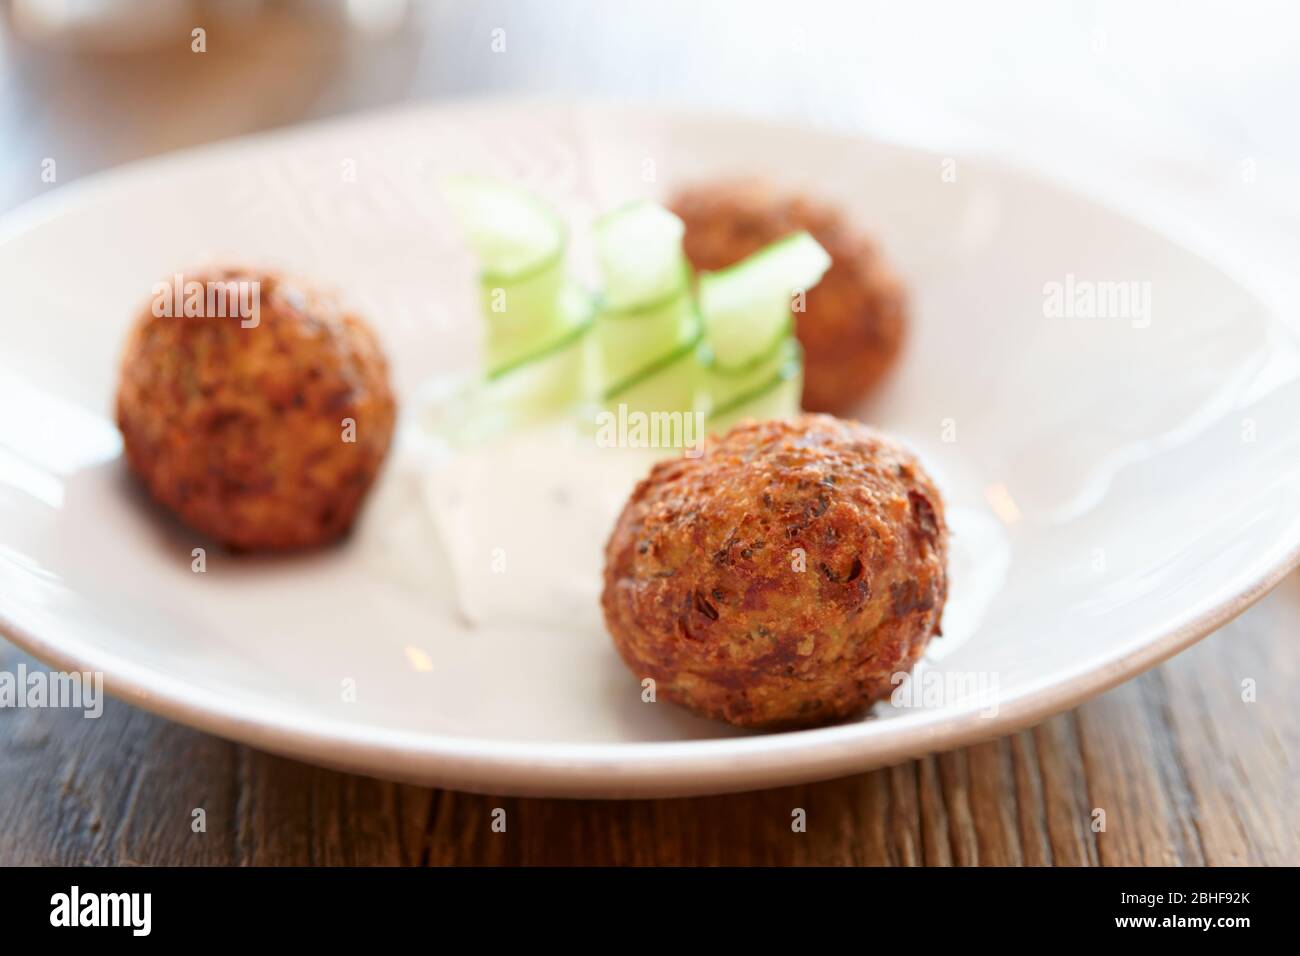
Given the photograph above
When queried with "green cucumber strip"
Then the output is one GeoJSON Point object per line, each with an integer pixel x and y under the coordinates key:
{"type": "Point", "coordinates": [729, 392]}
{"type": "Point", "coordinates": [639, 250]}
{"type": "Point", "coordinates": [574, 320]}
{"type": "Point", "coordinates": [527, 316]}
{"type": "Point", "coordinates": [762, 357]}
{"type": "Point", "coordinates": [670, 387]}
{"type": "Point", "coordinates": [688, 374]}
{"type": "Point", "coordinates": [529, 307]}
{"type": "Point", "coordinates": [512, 232]}
{"type": "Point", "coordinates": [629, 346]}
{"type": "Point", "coordinates": [549, 385]}
{"type": "Point", "coordinates": [647, 314]}
{"type": "Point", "coordinates": [470, 413]}
{"type": "Point", "coordinates": [779, 398]}
{"type": "Point", "coordinates": [747, 305]}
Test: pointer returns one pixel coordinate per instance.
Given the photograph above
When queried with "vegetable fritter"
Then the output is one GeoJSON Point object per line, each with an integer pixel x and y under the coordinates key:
{"type": "Point", "coordinates": [782, 578]}
{"type": "Point", "coordinates": [265, 435]}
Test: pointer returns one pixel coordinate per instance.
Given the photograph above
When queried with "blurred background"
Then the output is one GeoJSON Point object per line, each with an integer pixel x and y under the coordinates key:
{"type": "Point", "coordinates": [1185, 111]}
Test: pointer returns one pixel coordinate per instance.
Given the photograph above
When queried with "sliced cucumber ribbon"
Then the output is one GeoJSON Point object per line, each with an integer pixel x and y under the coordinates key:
{"type": "Point", "coordinates": [655, 344]}
{"type": "Point", "coordinates": [747, 307]}
{"type": "Point", "coordinates": [631, 347]}
{"type": "Point", "coordinates": [517, 336]}
{"type": "Point", "coordinates": [648, 325]}
{"type": "Point", "coordinates": [639, 250]}
{"type": "Point", "coordinates": [532, 310]}
{"type": "Point", "coordinates": [512, 232]}
{"type": "Point", "coordinates": [733, 393]}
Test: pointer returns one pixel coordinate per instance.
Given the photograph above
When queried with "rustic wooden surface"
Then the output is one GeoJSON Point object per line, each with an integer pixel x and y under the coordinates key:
{"type": "Point", "coordinates": [1185, 770]}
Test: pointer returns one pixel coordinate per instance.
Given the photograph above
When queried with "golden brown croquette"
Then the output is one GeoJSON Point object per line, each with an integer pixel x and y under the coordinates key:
{"type": "Point", "coordinates": [782, 578]}
{"type": "Point", "coordinates": [242, 429]}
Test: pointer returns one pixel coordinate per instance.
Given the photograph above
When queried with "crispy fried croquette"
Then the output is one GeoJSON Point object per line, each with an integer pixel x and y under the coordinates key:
{"type": "Point", "coordinates": [264, 435]}
{"type": "Point", "coordinates": [782, 578]}
{"type": "Point", "coordinates": [854, 322]}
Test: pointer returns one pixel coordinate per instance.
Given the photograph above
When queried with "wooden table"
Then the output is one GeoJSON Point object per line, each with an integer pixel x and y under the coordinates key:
{"type": "Point", "coordinates": [1185, 770]}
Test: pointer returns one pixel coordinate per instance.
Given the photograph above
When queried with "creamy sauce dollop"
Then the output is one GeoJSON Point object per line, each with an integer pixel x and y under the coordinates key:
{"type": "Point", "coordinates": [505, 522]}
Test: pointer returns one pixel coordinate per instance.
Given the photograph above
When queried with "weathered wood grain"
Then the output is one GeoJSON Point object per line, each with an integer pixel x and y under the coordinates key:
{"type": "Point", "coordinates": [1186, 771]}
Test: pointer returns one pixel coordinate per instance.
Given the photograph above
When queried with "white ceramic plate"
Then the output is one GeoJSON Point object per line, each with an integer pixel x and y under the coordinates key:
{"type": "Point", "coordinates": [1119, 485]}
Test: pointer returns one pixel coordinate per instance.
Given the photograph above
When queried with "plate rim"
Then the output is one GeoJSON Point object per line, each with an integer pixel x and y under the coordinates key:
{"type": "Point", "coordinates": [643, 768]}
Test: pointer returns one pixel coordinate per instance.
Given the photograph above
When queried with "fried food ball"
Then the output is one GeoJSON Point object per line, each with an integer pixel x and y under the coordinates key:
{"type": "Point", "coordinates": [782, 578]}
{"type": "Point", "coordinates": [242, 429]}
{"type": "Point", "coordinates": [854, 322]}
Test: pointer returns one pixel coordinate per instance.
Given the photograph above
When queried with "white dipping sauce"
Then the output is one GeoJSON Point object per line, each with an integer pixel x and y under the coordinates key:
{"type": "Point", "coordinates": [516, 522]}
{"type": "Point", "coordinates": [523, 520]}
